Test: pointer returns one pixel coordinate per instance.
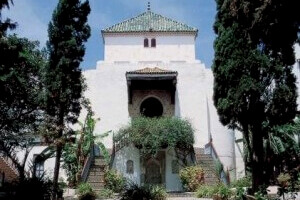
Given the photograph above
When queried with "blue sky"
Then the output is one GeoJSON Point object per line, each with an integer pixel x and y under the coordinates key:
{"type": "Point", "coordinates": [33, 17]}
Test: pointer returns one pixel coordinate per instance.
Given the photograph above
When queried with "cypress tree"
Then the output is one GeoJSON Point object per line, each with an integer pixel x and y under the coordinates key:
{"type": "Point", "coordinates": [254, 88]}
{"type": "Point", "coordinates": [68, 31]}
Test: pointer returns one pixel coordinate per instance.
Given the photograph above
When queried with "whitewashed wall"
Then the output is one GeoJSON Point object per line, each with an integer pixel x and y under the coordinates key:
{"type": "Point", "coordinates": [173, 182]}
{"type": "Point", "coordinates": [48, 164]}
{"type": "Point", "coordinates": [122, 156]}
{"type": "Point", "coordinates": [176, 47]}
{"type": "Point", "coordinates": [107, 91]}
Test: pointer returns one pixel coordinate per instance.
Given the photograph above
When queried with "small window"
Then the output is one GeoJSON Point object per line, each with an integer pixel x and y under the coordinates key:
{"type": "Point", "coordinates": [153, 42]}
{"type": "Point", "coordinates": [146, 42]}
{"type": "Point", "coordinates": [129, 167]}
{"type": "Point", "coordinates": [38, 166]}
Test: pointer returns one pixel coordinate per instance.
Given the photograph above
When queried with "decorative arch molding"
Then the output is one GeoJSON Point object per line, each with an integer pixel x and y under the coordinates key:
{"type": "Point", "coordinates": [154, 97]}
{"type": "Point", "coordinates": [161, 95]}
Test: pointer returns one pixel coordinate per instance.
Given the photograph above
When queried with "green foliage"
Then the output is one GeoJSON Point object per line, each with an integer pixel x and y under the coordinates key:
{"type": "Point", "coordinates": [6, 24]}
{"type": "Point", "coordinates": [135, 192]}
{"type": "Point", "coordinates": [191, 177]}
{"type": "Point", "coordinates": [63, 83]}
{"type": "Point", "coordinates": [206, 191]}
{"type": "Point", "coordinates": [242, 182]}
{"type": "Point", "coordinates": [224, 191]}
{"type": "Point", "coordinates": [114, 180]}
{"type": "Point", "coordinates": [151, 134]}
{"type": "Point", "coordinates": [218, 169]}
{"type": "Point", "coordinates": [254, 88]}
{"type": "Point", "coordinates": [105, 194]}
{"type": "Point", "coordinates": [20, 105]}
{"type": "Point", "coordinates": [85, 192]}
{"type": "Point", "coordinates": [158, 192]}
{"type": "Point", "coordinates": [218, 191]}
{"type": "Point", "coordinates": [29, 188]}
{"type": "Point", "coordinates": [75, 154]}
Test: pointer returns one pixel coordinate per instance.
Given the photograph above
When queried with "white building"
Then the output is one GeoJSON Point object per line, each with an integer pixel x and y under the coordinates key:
{"type": "Point", "coordinates": [150, 60]}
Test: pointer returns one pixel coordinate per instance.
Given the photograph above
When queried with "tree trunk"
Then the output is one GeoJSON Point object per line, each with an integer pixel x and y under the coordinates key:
{"type": "Point", "coordinates": [56, 171]}
{"type": "Point", "coordinates": [257, 161]}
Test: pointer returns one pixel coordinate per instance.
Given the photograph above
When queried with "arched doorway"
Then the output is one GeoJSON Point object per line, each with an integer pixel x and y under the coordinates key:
{"type": "Point", "coordinates": [153, 173]}
{"type": "Point", "coordinates": [151, 107]}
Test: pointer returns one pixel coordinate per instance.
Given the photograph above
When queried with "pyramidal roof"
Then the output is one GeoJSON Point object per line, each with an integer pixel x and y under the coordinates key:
{"type": "Point", "coordinates": [149, 22]}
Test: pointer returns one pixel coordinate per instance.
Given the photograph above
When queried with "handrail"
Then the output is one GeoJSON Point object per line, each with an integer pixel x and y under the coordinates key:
{"type": "Point", "coordinates": [210, 149]}
{"type": "Point", "coordinates": [87, 165]}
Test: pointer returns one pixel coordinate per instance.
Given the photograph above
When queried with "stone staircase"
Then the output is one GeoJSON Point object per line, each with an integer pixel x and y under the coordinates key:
{"type": "Point", "coordinates": [208, 165]}
{"type": "Point", "coordinates": [96, 173]}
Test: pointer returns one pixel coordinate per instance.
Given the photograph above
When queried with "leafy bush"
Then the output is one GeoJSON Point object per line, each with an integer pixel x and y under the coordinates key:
{"type": "Point", "coordinates": [223, 192]}
{"type": "Point", "coordinates": [135, 192]}
{"type": "Point", "coordinates": [158, 192]}
{"type": "Point", "coordinates": [31, 188]}
{"type": "Point", "coordinates": [114, 180]}
{"type": "Point", "coordinates": [242, 182]}
{"type": "Point", "coordinates": [218, 191]}
{"type": "Point", "coordinates": [85, 192]}
{"type": "Point", "coordinates": [105, 194]}
{"type": "Point", "coordinates": [191, 177]}
{"type": "Point", "coordinates": [206, 191]}
{"type": "Point", "coordinates": [151, 134]}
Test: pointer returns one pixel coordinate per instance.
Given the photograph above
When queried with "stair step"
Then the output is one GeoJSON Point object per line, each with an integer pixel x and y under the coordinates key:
{"type": "Point", "coordinates": [99, 161]}
{"type": "Point", "coordinates": [97, 185]}
{"type": "Point", "coordinates": [97, 169]}
{"type": "Point", "coordinates": [95, 179]}
{"type": "Point", "coordinates": [180, 194]}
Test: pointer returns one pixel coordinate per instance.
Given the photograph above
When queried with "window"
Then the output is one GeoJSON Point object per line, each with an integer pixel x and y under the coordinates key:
{"type": "Point", "coordinates": [38, 166]}
{"type": "Point", "coordinates": [151, 107]}
{"type": "Point", "coordinates": [146, 42]}
{"type": "Point", "coordinates": [153, 42]}
{"type": "Point", "coordinates": [129, 167]}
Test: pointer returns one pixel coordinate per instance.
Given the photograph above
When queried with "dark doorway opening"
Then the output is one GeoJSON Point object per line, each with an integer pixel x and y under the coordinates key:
{"type": "Point", "coordinates": [151, 107]}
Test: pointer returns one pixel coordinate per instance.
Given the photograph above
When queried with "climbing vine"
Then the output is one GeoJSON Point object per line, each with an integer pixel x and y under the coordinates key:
{"type": "Point", "coordinates": [152, 134]}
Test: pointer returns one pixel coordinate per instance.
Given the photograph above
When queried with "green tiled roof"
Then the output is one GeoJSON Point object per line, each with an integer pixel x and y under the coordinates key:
{"type": "Point", "coordinates": [149, 22]}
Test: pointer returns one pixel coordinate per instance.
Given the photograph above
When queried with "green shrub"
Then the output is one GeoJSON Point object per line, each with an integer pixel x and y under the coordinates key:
{"type": "Point", "coordinates": [242, 182]}
{"type": "Point", "coordinates": [218, 191]}
{"type": "Point", "coordinates": [206, 191]}
{"type": "Point", "coordinates": [30, 188]}
{"type": "Point", "coordinates": [135, 192]}
{"type": "Point", "coordinates": [105, 194]}
{"type": "Point", "coordinates": [223, 192]}
{"type": "Point", "coordinates": [152, 134]}
{"type": "Point", "coordinates": [85, 192]}
{"type": "Point", "coordinates": [114, 181]}
{"type": "Point", "coordinates": [191, 177]}
{"type": "Point", "coordinates": [158, 192]}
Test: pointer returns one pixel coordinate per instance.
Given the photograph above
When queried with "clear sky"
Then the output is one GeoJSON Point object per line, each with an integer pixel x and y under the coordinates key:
{"type": "Point", "coordinates": [33, 17]}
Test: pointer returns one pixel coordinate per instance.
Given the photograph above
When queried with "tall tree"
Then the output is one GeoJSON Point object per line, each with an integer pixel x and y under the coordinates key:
{"type": "Point", "coordinates": [20, 86]}
{"type": "Point", "coordinates": [254, 87]}
{"type": "Point", "coordinates": [6, 24]}
{"type": "Point", "coordinates": [67, 31]}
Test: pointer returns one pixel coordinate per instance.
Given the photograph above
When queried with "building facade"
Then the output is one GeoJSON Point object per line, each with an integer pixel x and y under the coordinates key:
{"type": "Point", "coordinates": [150, 69]}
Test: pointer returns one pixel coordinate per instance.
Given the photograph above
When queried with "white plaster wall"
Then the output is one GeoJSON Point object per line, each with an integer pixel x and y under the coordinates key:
{"type": "Point", "coordinates": [48, 164]}
{"type": "Point", "coordinates": [296, 71]}
{"type": "Point", "coordinates": [131, 48]}
{"type": "Point", "coordinates": [239, 150]}
{"type": "Point", "coordinates": [173, 182]}
{"type": "Point", "coordinates": [122, 156]}
{"type": "Point", "coordinates": [107, 91]}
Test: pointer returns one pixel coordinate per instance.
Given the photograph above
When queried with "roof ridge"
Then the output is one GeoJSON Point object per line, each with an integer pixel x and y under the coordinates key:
{"type": "Point", "coordinates": [149, 21]}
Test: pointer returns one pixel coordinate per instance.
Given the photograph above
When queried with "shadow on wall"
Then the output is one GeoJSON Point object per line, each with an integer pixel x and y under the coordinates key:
{"type": "Point", "coordinates": [177, 105]}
